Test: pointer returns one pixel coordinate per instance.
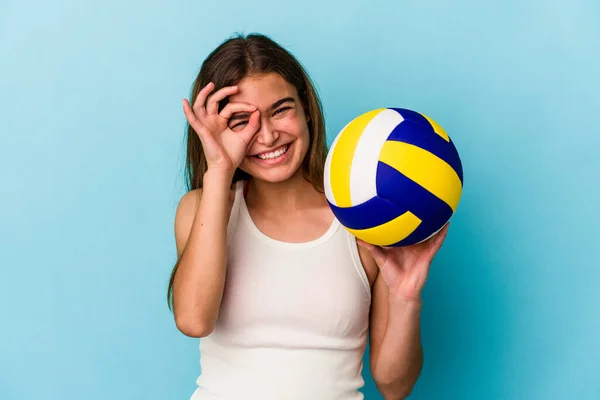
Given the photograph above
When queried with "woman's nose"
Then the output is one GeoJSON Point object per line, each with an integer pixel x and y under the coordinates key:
{"type": "Point", "coordinates": [266, 135]}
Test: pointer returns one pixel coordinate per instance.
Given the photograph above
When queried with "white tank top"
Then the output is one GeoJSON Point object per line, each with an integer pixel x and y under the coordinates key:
{"type": "Point", "coordinates": [293, 321]}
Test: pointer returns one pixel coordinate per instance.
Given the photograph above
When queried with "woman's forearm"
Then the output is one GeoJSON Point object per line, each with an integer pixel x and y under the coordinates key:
{"type": "Point", "coordinates": [199, 279]}
{"type": "Point", "coordinates": [400, 357]}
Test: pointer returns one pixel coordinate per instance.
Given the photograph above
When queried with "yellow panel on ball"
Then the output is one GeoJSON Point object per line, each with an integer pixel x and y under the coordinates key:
{"type": "Point", "coordinates": [437, 128]}
{"type": "Point", "coordinates": [391, 232]}
{"type": "Point", "coordinates": [343, 154]}
{"type": "Point", "coordinates": [426, 169]}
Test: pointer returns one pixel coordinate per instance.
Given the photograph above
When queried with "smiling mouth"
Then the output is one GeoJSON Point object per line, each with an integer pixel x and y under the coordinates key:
{"type": "Point", "coordinates": [274, 154]}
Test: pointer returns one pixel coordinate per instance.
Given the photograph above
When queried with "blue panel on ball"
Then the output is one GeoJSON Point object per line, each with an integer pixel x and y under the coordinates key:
{"type": "Point", "coordinates": [411, 115]}
{"type": "Point", "coordinates": [408, 195]}
{"type": "Point", "coordinates": [416, 130]}
{"type": "Point", "coordinates": [375, 211]}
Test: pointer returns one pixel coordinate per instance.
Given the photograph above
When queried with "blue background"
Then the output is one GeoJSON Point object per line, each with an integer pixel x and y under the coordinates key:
{"type": "Point", "coordinates": [91, 166]}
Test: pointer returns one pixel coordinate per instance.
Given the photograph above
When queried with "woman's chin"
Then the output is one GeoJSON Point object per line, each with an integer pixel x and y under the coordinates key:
{"type": "Point", "coordinates": [276, 175]}
{"type": "Point", "coordinates": [272, 174]}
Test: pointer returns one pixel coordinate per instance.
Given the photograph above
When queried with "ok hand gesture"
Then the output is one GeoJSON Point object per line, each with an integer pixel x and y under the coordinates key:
{"type": "Point", "coordinates": [224, 149]}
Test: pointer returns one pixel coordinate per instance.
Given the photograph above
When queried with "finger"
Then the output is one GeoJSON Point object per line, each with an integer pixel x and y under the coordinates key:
{"type": "Point", "coordinates": [233, 108]}
{"type": "Point", "coordinates": [438, 239]}
{"type": "Point", "coordinates": [196, 124]}
{"type": "Point", "coordinates": [364, 244]}
{"type": "Point", "coordinates": [200, 103]}
{"type": "Point", "coordinates": [191, 116]}
{"type": "Point", "coordinates": [212, 105]}
{"type": "Point", "coordinates": [252, 127]}
{"type": "Point", "coordinates": [441, 235]}
{"type": "Point", "coordinates": [379, 255]}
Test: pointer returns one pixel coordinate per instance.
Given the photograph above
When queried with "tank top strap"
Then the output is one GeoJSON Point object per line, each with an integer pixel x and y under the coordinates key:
{"type": "Point", "coordinates": [235, 209]}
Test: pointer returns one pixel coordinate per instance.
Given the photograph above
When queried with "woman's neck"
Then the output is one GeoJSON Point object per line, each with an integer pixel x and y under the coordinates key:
{"type": "Point", "coordinates": [295, 193]}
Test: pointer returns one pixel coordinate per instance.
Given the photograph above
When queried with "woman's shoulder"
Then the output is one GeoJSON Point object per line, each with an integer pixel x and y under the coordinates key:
{"type": "Point", "coordinates": [191, 200]}
{"type": "Point", "coordinates": [186, 212]}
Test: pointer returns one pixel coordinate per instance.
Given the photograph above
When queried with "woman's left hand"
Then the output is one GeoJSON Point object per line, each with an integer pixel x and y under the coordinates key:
{"type": "Point", "coordinates": [404, 269]}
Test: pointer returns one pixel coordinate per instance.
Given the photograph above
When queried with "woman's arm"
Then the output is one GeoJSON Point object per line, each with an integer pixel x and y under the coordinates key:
{"type": "Point", "coordinates": [201, 218]}
{"type": "Point", "coordinates": [201, 234]}
{"type": "Point", "coordinates": [396, 351]}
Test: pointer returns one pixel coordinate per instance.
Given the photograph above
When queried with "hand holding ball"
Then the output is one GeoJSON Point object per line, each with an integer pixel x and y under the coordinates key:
{"type": "Point", "coordinates": [393, 177]}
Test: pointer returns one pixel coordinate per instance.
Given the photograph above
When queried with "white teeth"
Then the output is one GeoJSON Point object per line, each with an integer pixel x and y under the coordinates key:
{"type": "Point", "coordinates": [274, 154]}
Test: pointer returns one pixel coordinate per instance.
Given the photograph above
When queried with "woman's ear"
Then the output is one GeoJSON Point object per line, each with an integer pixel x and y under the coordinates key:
{"type": "Point", "coordinates": [306, 113]}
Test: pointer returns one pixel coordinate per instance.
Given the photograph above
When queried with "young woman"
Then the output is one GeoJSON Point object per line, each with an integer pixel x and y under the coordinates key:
{"type": "Point", "coordinates": [283, 297]}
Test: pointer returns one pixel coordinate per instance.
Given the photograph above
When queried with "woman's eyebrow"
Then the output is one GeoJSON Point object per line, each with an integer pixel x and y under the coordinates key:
{"type": "Point", "coordinates": [239, 115]}
{"type": "Point", "coordinates": [246, 115]}
{"type": "Point", "coordinates": [280, 102]}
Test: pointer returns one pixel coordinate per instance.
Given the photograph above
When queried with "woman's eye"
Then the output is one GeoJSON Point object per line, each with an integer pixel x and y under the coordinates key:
{"type": "Point", "coordinates": [238, 125]}
{"type": "Point", "coordinates": [282, 109]}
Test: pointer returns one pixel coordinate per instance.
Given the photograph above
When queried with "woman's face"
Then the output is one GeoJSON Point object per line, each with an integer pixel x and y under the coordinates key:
{"type": "Point", "coordinates": [278, 148]}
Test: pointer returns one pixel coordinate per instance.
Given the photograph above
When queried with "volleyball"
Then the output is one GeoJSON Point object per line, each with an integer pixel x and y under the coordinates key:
{"type": "Point", "coordinates": [393, 177]}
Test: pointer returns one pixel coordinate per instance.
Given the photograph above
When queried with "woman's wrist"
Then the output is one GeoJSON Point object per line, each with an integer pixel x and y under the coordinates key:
{"type": "Point", "coordinates": [218, 176]}
{"type": "Point", "coordinates": [406, 302]}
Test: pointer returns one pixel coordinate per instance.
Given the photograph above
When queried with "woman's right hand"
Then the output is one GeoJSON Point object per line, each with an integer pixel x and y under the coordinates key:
{"type": "Point", "coordinates": [224, 149]}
